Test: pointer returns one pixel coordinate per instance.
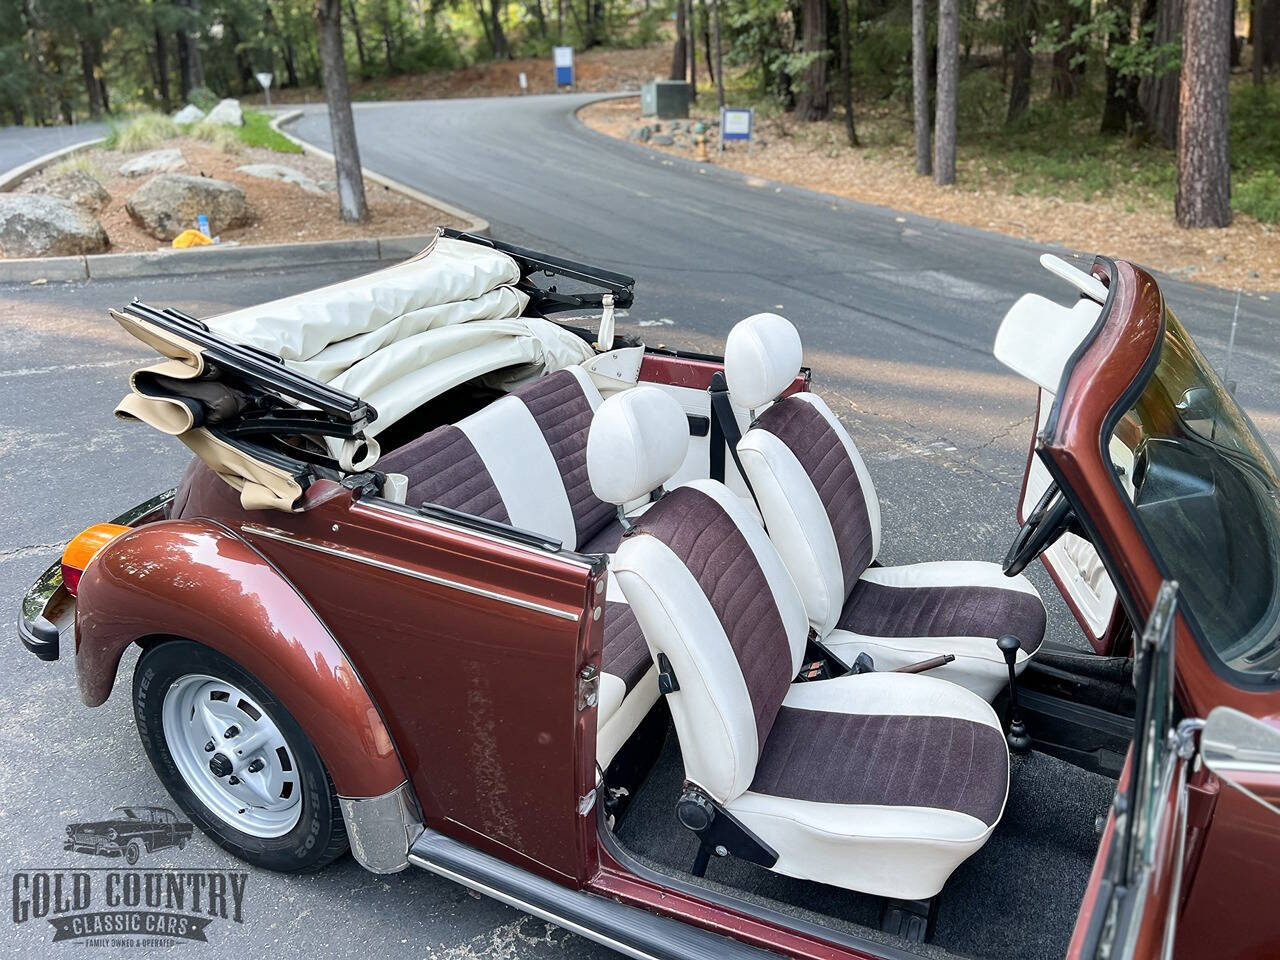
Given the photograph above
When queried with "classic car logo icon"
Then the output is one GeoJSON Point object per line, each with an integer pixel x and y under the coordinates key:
{"type": "Point", "coordinates": [114, 903]}
{"type": "Point", "coordinates": [129, 832]}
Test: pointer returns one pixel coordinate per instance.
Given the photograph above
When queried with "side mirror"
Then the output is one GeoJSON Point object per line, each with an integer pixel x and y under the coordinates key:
{"type": "Point", "coordinates": [1238, 747]}
{"type": "Point", "coordinates": [1199, 403]}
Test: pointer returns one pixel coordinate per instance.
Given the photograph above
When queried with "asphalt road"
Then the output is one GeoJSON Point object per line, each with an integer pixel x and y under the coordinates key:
{"type": "Point", "coordinates": [897, 313]}
{"type": "Point", "coordinates": [21, 144]}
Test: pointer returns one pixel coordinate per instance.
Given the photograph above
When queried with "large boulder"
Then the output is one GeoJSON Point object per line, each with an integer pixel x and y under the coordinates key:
{"type": "Point", "coordinates": [78, 186]}
{"type": "Point", "coordinates": [157, 161]}
{"type": "Point", "coordinates": [278, 171]}
{"type": "Point", "coordinates": [188, 114]}
{"type": "Point", "coordinates": [34, 225]}
{"type": "Point", "coordinates": [227, 113]}
{"type": "Point", "coordinates": [171, 202]}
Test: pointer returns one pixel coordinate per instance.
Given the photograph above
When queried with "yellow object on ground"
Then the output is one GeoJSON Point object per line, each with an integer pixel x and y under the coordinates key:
{"type": "Point", "coordinates": [190, 238]}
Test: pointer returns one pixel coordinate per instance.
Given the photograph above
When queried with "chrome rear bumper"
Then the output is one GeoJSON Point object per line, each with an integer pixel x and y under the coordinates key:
{"type": "Point", "coordinates": [48, 605]}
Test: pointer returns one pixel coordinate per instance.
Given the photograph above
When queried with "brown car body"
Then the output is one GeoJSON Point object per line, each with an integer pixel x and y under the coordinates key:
{"type": "Point", "coordinates": [415, 649]}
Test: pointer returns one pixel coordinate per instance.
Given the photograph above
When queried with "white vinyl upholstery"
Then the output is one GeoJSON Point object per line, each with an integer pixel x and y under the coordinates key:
{"type": "Point", "coordinates": [893, 850]}
{"type": "Point", "coordinates": [791, 458]}
{"type": "Point", "coordinates": [797, 519]}
{"type": "Point", "coordinates": [713, 597]}
{"type": "Point", "coordinates": [979, 664]}
{"type": "Point", "coordinates": [520, 463]}
{"type": "Point", "coordinates": [637, 442]}
{"type": "Point", "coordinates": [762, 355]}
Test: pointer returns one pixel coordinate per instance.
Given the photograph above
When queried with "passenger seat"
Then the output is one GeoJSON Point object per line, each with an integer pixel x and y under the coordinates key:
{"type": "Point", "coordinates": [879, 782]}
{"type": "Point", "coordinates": [822, 513]}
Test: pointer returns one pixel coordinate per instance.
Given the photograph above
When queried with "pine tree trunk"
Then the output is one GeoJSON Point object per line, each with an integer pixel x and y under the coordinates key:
{"type": "Point", "coordinates": [1158, 95]}
{"type": "Point", "coordinates": [679, 59]}
{"type": "Point", "coordinates": [1204, 171]}
{"type": "Point", "coordinates": [920, 86]}
{"type": "Point", "coordinates": [944, 163]}
{"type": "Point", "coordinates": [359, 34]}
{"type": "Point", "coordinates": [342, 127]}
{"type": "Point", "coordinates": [813, 102]}
{"type": "Point", "coordinates": [1117, 108]}
{"type": "Point", "coordinates": [162, 71]}
{"type": "Point", "coordinates": [691, 48]}
{"type": "Point", "coordinates": [846, 77]}
{"type": "Point", "coordinates": [719, 52]}
{"type": "Point", "coordinates": [500, 51]}
{"type": "Point", "coordinates": [1257, 37]}
{"type": "Point", "coordinates": [1020, 86]}
{"type": "Point", "coordinates": [90, 80]}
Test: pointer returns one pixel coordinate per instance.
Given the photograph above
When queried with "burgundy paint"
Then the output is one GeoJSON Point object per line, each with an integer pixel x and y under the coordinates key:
{"type": "Point", "coordinates": [193, 579]}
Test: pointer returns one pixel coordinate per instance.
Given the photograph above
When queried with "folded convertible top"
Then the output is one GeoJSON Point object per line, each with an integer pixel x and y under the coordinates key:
{"type": "Point", "coordinates": [268, 393]}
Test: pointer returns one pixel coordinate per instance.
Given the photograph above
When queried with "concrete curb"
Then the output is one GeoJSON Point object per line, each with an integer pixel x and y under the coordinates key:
{"type": "Point", "coordinates": [217, 258]}
{"type": "Point", "coordinates": [15, 176]}
{"type": "Point", "coordinates": [210, 259]}
{"type": "Point", "coordinates": [474, 224]}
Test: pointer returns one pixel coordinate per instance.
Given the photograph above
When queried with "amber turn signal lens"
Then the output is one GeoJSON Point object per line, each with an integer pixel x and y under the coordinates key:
{"type": "Point", "coordinates": [83, 548]}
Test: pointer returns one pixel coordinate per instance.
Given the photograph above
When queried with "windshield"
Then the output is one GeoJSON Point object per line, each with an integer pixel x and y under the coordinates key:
{"type": "Point", "coordinates": [1206, 488]}
{"type": "Point", "coordinates": [128, 813]}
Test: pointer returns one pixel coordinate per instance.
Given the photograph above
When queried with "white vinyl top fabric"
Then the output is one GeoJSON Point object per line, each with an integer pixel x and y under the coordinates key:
{"type": "Point", "coordinates": [402, 335]}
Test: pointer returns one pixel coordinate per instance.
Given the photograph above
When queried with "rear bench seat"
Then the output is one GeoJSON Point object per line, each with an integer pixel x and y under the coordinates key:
{"type": "Point", "coordinates": [522, 460]}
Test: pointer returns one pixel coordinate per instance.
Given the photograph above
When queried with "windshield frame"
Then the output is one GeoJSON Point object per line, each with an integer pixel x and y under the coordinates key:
{"type": "Point", "coordinates": [1101, 381]}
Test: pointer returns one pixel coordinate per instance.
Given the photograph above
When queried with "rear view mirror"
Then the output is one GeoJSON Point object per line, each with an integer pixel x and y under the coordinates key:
{"type": "Point", "coordinates": [1240, 748]}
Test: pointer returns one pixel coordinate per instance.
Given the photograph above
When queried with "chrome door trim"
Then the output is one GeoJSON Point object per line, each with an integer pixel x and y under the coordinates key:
{"type": "Point", "coordinates": [272, 533]}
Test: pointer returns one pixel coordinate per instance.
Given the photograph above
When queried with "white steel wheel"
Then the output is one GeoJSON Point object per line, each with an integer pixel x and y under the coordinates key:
{"type": "Point", "coordinates": [232, 755]}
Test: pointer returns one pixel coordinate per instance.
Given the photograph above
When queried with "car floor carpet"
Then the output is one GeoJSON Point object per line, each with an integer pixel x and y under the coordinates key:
{"type": "Point", "coordinates": [1016, 897]}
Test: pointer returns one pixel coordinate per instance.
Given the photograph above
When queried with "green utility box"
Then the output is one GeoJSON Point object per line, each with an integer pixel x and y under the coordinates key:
{"type": "Point", "coordinates": [665, 99]}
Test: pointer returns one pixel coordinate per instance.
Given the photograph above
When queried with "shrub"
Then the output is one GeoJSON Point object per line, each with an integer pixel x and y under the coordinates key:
{"type": "Point", "coordinates": [1259, 196]}
{"type": "Point", "coordinates": [204, 98]}
{"type": "Point", "coordinates": [146, 131]}
{"type": "Point", "coordinates": [75, 162]}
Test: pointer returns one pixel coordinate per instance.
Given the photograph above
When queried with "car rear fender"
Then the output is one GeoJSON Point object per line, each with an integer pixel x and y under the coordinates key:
{"type": "Point", "coordinates": [196, 580]}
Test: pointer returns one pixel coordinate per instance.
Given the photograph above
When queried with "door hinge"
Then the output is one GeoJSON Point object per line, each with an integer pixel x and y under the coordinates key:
{"type": "Point", "coordinates": [1185, 737]}
{"type": "Point", "coordinates": [586, 804]}
{"type": "Point", "coordinates": [588, 686]}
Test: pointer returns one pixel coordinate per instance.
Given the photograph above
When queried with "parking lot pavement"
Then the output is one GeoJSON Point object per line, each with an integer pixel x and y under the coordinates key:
{"type": "Point", "coordinates": [899, 345]}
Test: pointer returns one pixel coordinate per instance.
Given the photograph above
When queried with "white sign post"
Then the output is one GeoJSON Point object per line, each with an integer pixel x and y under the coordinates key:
{"type": "Point", "coordinates": [524, 82]}
{"type": "Point", "coordinates": [563, 57]}
{"type": "Point", "coordinates": [265, 79]}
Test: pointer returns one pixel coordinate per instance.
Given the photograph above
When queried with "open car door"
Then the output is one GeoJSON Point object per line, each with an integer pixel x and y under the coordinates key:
{"type": "Point", "coordinates": [1131, 904]}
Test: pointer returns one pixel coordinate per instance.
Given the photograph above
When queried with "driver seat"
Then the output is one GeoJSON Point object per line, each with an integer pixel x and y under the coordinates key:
{"type": "Point", "coordinates": [822, 513]}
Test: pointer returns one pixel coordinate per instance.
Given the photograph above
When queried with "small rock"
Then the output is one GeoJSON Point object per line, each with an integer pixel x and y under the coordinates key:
{"type": "Point", "coordinates": [640, 133]}
{"type": "Point", "coordinates": [663, 140]}
{"type": "Point", "coordinates": [157, 161]}
{"type": "Point", "coordinates": [328, 186]}
{"type": "Point", "coordinates": [189, 114]}
{"type": "Point", "coordinates": [32, 225]}
{"type": "Point", "coordinates": [278, 171]}
{"type": "Point", "coordinates": [78, 186]}
{"type": "Point", "coordinates": [170, 203]}
{"type": "Point", "coordinates": [227, 113]}
{"type": "Point", "coordinates": [676, 126]}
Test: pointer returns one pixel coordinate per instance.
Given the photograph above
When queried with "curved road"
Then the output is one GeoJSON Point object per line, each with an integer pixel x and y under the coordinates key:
{"type": "Point", "coordinates": [897, 315]}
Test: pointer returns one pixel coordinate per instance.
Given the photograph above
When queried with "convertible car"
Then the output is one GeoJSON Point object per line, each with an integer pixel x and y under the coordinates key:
{"type": "Point", "coordinates": [603, 630]}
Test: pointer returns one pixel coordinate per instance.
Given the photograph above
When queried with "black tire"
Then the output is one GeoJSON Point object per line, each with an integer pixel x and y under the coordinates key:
{"type": "Point", "coordinates": [319, 837]}
{"type": "Point", "coordinates": [133, 852]}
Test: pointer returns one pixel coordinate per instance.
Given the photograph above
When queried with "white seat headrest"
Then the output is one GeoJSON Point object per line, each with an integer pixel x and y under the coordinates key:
{"type": "Point", "coordinates": [761, 358]}
{"type": "Point", "coordinates": [637, 442]}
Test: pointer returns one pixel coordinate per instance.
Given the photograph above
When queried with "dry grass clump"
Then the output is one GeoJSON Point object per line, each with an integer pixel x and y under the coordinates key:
{"type": "Point", "coordinates": [222, 138]}
{"type": "Point", "coordinates": [146, 131]}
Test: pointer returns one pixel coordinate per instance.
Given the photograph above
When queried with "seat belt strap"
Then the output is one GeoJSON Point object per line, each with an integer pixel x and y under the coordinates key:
{"type": "Point", "coordinates": [725, 432]}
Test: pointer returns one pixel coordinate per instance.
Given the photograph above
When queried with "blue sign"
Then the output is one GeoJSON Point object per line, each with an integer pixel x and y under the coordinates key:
{"type": "Point", "coordinates": [563, 57]}
{"type": "Point", "coordinates": [736, 123]}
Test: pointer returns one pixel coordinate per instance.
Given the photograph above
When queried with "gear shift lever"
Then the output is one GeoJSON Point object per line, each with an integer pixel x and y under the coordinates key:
{"type": "Point", "coordinates": [1018, 738]}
